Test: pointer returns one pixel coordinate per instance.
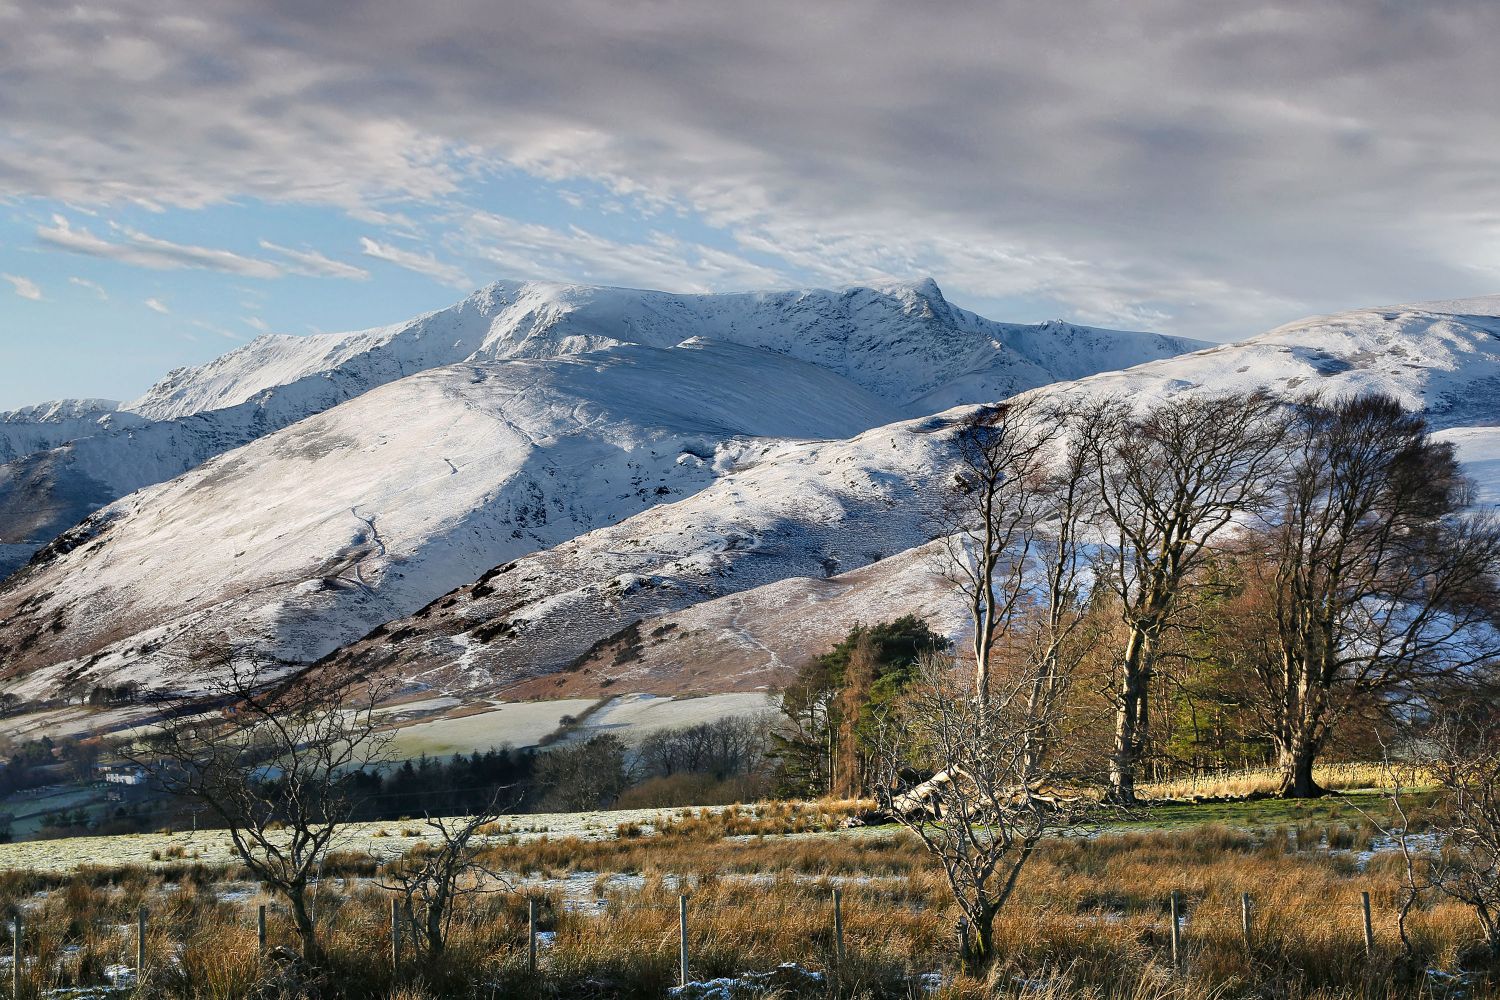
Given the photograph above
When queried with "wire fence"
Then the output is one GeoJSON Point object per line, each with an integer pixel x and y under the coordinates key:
{"type": "Point", "coordinates": [148, 941]}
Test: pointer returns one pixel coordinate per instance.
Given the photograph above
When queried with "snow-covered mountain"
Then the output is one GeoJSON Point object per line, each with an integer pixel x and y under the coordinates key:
{"type": "Point", "coordinates": [655, 601]}
{"type": "Point", "coordinates": [903, 342]}
{"type": "Point", "coordinates": [299, 492]}
{"type": "Point", "coordinates": [48, 425]}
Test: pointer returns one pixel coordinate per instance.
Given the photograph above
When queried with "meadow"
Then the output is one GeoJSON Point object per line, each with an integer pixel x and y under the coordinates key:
{"type": "Point", "coordinates": [1091, 918]}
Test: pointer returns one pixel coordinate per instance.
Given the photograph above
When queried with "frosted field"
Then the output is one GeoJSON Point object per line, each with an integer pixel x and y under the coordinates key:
{"type": "Point", "coordinates": [386, 838]}
{"type": "Point", "coordinates": [633, 717]}
{"type": "Point", "coordinates": [521, 724]}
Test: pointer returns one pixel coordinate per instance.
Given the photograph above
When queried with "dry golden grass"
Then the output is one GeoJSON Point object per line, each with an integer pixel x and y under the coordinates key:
{"type": "Point", "coordinates": [1252, 781]}
{"type": "Point", "coordinates": [1089, 920]}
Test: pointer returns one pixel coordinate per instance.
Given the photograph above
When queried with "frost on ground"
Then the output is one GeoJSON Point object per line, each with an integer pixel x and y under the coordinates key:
{"type": "Point", "coordinates": [386, 838]}
{"type": "Point", "coordinates": [786, 980]}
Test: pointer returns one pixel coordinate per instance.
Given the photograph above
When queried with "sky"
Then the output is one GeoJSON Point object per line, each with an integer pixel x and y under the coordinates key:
{"type": "Point", "coordinates": [179, 177]}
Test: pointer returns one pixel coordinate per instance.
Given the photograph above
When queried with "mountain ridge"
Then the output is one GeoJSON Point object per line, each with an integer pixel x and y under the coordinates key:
{"type": "Point", "coordinates": [59, 472]}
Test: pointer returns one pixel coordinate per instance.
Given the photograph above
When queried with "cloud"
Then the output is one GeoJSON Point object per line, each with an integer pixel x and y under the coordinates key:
{"type": "Point", "coordinates": [314, 264]}
{"type": "Point", "coordinates": [256, 323]}
{"type": "Point", "coordinates": [156, 305]}
{"type": "Point", "coordinates": [421, 263]}
{"type": "Point", "coordinates": [1216, 167]}
{"type": "Point", "coordinates": [142, 250]}
{"type": "Point", "coordinates": [211, 328]}
{"type": "Point", "coordinates": [94, 287]}
{"type": "Point", "coordinates": [528, 250]}
{"type": "Point", "coordinates": [25, 287]}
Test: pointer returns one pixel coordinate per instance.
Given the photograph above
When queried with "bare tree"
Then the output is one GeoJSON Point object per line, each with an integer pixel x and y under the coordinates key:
{"type": "Point", "coordinates": [1377, 583]}
{"type": "Point", "coordinates": [1462, 754]}
{"type": "Point", "coordinates": [1169, 480]}
{"type": "Point", "coordinates": [434, 879]}
{"type": "Point", "coordinates": [986, 806]}
{"type": "Point", "coordinates": [1059, 630]}
{"type": "Point", "coordinates": [269, 759]}
{"type": "Point", "coordinates": [990, 517]}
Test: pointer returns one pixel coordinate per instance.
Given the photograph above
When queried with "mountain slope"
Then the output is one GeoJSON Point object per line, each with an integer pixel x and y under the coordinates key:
{"type": "Point", "coordinates": [783, 511]}
{"type": "Point", "coordinates": [314, 534]}
{"type": "Point", "coordinates": [904, 342]}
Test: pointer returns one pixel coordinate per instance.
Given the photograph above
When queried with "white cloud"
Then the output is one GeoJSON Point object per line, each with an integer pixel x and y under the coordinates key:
{"type": "Point", "coordinates": [25, 287]}
{"type": "Point", "coordinates": [92, 286]}
{"type": "Point", "coordinates": [256, 323]}
{"type": "Point", "coordinates": [1217, 167]}
{"type": "Point", "coordinates": [421, 263]}
{"type": "Point", "coordinates": [156, 305]}
{"type": "Point", "coordinates": [142, 250]}
{"type": "Point", "coordinates": [314, 264]}
{"type": "Point", "coordinates": [211, 328]}
{"type": "Point", "coordinates": [528, 250]}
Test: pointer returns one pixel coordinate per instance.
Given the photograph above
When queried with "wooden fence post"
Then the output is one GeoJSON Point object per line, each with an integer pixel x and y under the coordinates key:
{"type": "Point", "coordinates": [140, 945]}
{"type": "Point", "coordinates": [17, 953]}
{"type": "Point", "coordinates": [838, 925]}
{"type": "Point", "coordinates": [1364, 902]}
{"type": "Point", "coordinates": [531, 936]}
{"type": "Point", "coordinates": [1176, 931]}
{"type": "Point", "coordinates": [682, 945]}
{"type": "Point", "coordinates": [395, 935]}
{"type": "Point", "coordinates": [260, 927]}
{"type": "Point", "coordinates": [1245, 920]}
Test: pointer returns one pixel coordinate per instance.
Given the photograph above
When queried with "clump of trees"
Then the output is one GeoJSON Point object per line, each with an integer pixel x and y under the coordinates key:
{"type": "Point", "coordinates": [454, 786]}
{"type": "Point", "coordinates": [1228, 577]}
{"type": "Point", "coordinates": [590, 774]}
{"type": "Point", "coordinates": [712, 763]}
{"type": "Point", "coordinates": [45, 761]}
{"type": "Point", "coordinates": [823, 741]}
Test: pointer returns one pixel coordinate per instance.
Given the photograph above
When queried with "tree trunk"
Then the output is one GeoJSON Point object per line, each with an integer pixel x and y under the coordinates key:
{"type": "Point", "coordinates": [434, 929]}
{"type": "Point", "coordinates": [1297, 761]}
{"type": "Point", "coordinates": [1044, 693]}
{"type": "Point", "coordinates": [1122, 761]}
{"type": "Point", "coordinates": [982, 944]}
{"type": "Point", "coordinates": [1129, 711]}
{"type": "Point", "coordinates": [302, 921]}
